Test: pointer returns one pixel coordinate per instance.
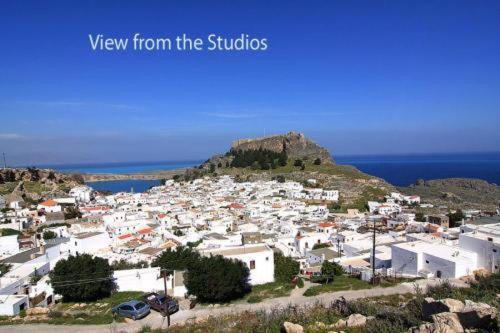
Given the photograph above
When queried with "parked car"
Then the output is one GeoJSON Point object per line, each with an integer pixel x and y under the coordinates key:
{"type": "Point", "coordinates": [161, 303]}
{"type": "Point", "coordinates": [132, 309]}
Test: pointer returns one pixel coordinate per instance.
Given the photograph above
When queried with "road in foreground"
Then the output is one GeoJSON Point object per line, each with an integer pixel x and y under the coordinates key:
{"type": "Point", "coordinates": [154, 320]}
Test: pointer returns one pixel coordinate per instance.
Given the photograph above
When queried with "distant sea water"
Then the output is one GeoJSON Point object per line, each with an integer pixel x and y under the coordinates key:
{"type": "Point", "coordinates": [404, 170]}
{"type": "Point", "coordinates": [128, 185]}
{"type": "Point", "coordinates": [399, 170]}
{"type": "Point", "coordinates": [123, 168]}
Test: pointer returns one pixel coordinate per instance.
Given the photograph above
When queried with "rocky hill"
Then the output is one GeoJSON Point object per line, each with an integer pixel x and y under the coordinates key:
{"type": "Point", "coordinates": [296, 145]}
{"type": "Point", "coordinates": [457, 193]}
{"type": "Point", "coordinates": [32, 184]}
{"type": "Point", "coordinates": [293, 156]}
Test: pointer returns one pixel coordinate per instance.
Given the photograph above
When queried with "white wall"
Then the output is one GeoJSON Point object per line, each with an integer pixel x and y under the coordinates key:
{"type": "Point", "coordinates": [10, 305]}
{"type": "Point", "coordinates": [405, 262]}
{"type": "Point", "coordinates": [143, 279]}
{"type": "Point", "coordinates": [488, 253]}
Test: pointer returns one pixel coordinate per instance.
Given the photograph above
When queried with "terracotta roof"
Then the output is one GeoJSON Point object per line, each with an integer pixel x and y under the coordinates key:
{"type": "Point", "coordinates": [145, 231]}
{"type": "Point", "coordinates": [124, 236]}
{"type": "Point", "coordinates": [49, 203]}
{"type": "Point", "coordinates": [162, 215]}
{"type": "Point", "coordinates": [236, 206]}
{"type": "Point", "coordinates": [327, 224]}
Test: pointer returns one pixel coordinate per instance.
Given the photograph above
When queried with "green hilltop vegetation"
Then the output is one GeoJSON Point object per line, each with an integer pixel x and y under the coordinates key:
{"type": "Point", "coordinates": [293, 157]}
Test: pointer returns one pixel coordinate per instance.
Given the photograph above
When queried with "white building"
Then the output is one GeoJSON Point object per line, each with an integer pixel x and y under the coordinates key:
{"type": "Point", "coordinates": [88, 242]}
{"type": "Point", "coordinates": [427, 259]}
{"type": "Point", "coordinates": [8, 245]}
{"type": "Point", "coordinates": [81, 193]}
{"type": "Point", "coordinates": [485, 241]}
{"type": "Point", "coordinates": [11, 305]}
{"type": "Point", "coordinates": [259, 258]}
{"type": "Point", "coordinates": [49, 206]}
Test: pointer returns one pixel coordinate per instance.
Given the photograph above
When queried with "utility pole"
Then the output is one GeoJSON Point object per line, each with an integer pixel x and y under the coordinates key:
{"type": "Point", "coordinates": [338, 246]}
{"type": "Point", "coordinates": [4, 161]}
{"type": "Point", "coordinates": [166, 300]}
{"type": "Point", "coordinates": [373, 254]}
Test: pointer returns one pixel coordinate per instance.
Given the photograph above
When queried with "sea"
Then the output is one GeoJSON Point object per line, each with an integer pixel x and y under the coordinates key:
{"type": "Point", "coordinates": [128, 185]}
{"type": "Point", "coordinates": [399, 170]}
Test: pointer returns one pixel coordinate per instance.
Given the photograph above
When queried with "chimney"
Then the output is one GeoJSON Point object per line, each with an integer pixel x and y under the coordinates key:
{"type": "Point", "coordinates": [42, 249]}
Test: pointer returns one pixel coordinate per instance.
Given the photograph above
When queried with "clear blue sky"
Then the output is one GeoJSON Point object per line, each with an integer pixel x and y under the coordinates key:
{"type": "Point", "coordinates": [359, 77]}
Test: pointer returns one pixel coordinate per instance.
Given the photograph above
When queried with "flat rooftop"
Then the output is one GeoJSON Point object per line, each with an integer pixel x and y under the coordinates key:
{"type": "Point", "coordinates": [450, 253]}
{"type": "Point", "coordinates": [234, 251]}
{"type": "Point", "coordinates": [84, 235]}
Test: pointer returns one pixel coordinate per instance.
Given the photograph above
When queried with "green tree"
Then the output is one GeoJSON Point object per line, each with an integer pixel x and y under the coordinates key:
{"type": "Point", "coordinates": [217, 279]}
{"type": "Point", "coordinates": [298, 163]}
{"type": "Point", "coordinates": [34, 174]}
{"type": "Point", "coordinates": [10, 176]}
{"type": "Point", "coordinates": [285, 268]}
{"type": "Point", "coordinates": [48, 234]}
{"type": "Point", "coordinates": [317, 161]}
{"type": "Point", "coordinates": [124, 264]}
{"type": "Point", "coordinates": [455, 218]}
{"type": "Point", "coordinates": [4, 268]}
{"type": "Point", "coordinates": [9, 232]}
{"type": "Point", "coordinates": [331, 269]}
{"type": "Point", "coordinates": [1, 179]}
{"type": "Point", "coordinates": [180, 259]}
{"type": "Point", "coordinates": [72, 212]}
{"type": "Point", "coordinates": [212, 168]}
{"type": "Point", "coordinates": [321, 245]}
{"type": "Point", "coordinates": [420, 217]}
{"type": "Point", "coordinates": [82, 278]}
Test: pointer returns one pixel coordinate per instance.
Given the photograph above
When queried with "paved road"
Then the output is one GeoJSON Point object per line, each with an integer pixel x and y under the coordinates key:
{"type": "Point", "coordinates": [154, 320]}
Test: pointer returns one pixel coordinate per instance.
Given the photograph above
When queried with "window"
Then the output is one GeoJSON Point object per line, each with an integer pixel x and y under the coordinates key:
{"type": "Point", "coordinates": [427, 261]}
{"type": "Point", "coordinates": [267, 258]}
{"type": "Point", "coordinates": [495, 250]}
{"type": "Point", "coordinates": [252, 264]}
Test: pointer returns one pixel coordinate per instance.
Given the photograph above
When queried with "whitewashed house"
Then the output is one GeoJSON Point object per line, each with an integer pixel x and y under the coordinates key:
{"type": "Point", "coordinates": [259, 259]}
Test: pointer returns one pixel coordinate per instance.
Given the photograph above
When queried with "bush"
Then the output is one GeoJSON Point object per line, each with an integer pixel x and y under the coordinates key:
{"type": "Point", "coordinates": [317, 161]}
{"type": "Point", "coordinates": [179, 259]}
{"type": "Point", "coordinates": [124, 264]}
{"type": "Point", "coordinates": [82, 278]}
{"type": "Point", "coordinates": [321, 245]}
{"type": "Point", "coordinates": [217, 279]}
{"type": "Point", "coordinates": [298, 163]}
{"type": "Point", "coordinates": [300, 283]}
{"type": "Point", "coordinates": [9, 232]}
{"type": "Point", "coordinates": [331, 269]}
{"type": "Point", "coordinates": [285, 268]}
{"type": "Point", "coordinates": [48, 234]}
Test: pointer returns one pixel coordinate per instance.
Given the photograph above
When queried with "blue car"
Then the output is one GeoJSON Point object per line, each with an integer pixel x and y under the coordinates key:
{"type": "Point", "coordinates": [132, 309]}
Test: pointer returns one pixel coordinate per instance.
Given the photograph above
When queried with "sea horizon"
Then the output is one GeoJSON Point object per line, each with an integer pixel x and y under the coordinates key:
{"type": "Point", "coordinates": [397, 169]}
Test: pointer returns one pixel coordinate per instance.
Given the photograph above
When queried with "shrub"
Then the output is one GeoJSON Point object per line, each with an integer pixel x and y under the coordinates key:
{"type": "Point", "coordinates": [48, 234]}
{"type": "Point", "coordinates": [285, 268]}
{"type": "Point", "coordinates": [300, 283]}
{"type": "Point", "coordinates": [217, 279]}
{"type": "Point", "coordinates": [317, 161]}
{"type": "Point", "coordinates": [298, 163]}
{"type": "Point", "coordinates": [179, 259]}
{"type": "Point", "coordinates": [331, 269]}
{"type": "Point", "coordinates": [321, 245]}
{"type": "Point", "coordinates": [82, 278]}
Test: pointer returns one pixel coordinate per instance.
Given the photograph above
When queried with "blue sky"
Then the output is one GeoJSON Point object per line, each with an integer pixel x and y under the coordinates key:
{"type": "Point", "coordinates": [359, 77]}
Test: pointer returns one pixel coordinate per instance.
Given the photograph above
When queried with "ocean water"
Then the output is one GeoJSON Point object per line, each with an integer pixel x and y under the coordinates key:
{"type": "Point", "coordinates": [129, 185]}
{"type": "Point", "coordinates": [403, 170]}
{"type": "Point", "coordinates": [399, 170]}
{"type": "Point", "coordinates": [123, 168]}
